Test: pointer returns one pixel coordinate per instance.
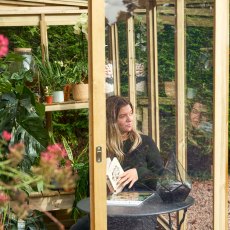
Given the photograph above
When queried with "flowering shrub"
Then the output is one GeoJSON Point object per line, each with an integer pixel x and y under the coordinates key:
{"type": "Point", "coordinates": [4, 42]}
{"type": "Point", "coordinates": [15, 185]}
{"type": "Point", "coordinates": [55, 169]}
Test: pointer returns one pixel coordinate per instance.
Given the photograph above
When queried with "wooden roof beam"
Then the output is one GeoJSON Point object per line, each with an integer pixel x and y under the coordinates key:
{"type": "Point", "coordinates": [41, 10]}
{"type": "Point", "coordinates": [82, 3]}
{"type": "Point", "coordinates": [19, 3]}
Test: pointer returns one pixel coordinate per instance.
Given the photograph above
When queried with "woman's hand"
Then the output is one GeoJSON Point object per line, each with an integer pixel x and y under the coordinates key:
{"type": "Point", "coordinates": [128, 177]}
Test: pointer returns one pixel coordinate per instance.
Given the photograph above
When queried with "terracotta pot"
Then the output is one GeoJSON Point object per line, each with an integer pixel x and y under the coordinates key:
{"type": "Point", "coordinates": [80, 92]}
{"type": "Point", "coordinates": [67, 90]}
{"type": "Point", "coordinates": [49, 99]}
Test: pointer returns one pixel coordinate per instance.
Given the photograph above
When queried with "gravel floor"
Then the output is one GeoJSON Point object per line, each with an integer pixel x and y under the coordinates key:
{"type": "Point", "coordinates": [200, 215]}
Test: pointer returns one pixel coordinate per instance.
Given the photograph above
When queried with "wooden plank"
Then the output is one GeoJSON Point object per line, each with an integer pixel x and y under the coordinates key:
{"type": "Point", "coordinates": [66, 106]}
{"type": "Point", "coordinates": [131, 62]}
{"type": "Point", "coordinates": [39, 10]}
{"type": "Point", "coordinates": [26, 20]}
{"type": "Point", "coordinates": [53, 202]}
{"type": "Point", "coordinates": [153, 116]}
{"type": "Point", "coordinates": [58, 2]}
{"type": "Point", "coordinates": [115, 58]}
{"type": "Point", "coordinates": [97, 115]}
{"type": "Point", "coordinates": [180, 90]}
{"type": "Point", "coordinates": [44, 37]}
{"type": "Point", "coordinates": [19, 3]}
{"type": "Point", "coordinates": [221, 102]}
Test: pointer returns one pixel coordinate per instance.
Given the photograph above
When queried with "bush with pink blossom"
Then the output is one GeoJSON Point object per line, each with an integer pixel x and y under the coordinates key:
{"type": "Point", "coordinates": [16, 185]}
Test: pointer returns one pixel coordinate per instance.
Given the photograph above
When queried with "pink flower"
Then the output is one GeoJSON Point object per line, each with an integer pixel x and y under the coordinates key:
{"type": "Point", "coordinates": [57, 149]}
{"type": "Point", "coordinates": [46, 156]}
{"type": "Point", "coordinates": [6, 135]}
{"type": "Point", "coordinates": [4, 197]}
{"type": "Point", "coordinates": [4, 42]}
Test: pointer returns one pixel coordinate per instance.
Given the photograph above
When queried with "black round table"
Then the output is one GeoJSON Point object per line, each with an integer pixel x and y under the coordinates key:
{"type": "Point", "coordinates": [151, 207]}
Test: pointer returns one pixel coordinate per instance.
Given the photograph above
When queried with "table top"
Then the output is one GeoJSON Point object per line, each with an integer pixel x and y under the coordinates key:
{"type": "Point", "coordinates": [152, 206]}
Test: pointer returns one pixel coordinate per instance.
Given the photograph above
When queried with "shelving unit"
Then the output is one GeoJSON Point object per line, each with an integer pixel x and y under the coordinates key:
{"type": "Point", "coordinates": [66, 106]}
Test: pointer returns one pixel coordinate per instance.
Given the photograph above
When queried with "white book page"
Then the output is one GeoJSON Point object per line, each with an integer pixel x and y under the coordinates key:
{"type": "Point", "coordinates": [114, 172]}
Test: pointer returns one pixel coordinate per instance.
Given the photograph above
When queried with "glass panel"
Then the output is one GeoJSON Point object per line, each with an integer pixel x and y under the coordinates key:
{"type": "Point", "coordinates": [141, 65]}
{"type": "Point", "coordinates": [199, 107]}
{"type": "Point", "coordinates": [166, 74]}
{"type": "Point", "coordinates": [123, 58]}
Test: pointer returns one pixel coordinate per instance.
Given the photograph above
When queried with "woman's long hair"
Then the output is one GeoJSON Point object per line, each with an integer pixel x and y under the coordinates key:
{"type": "Point", "coordinates": [114, 143]}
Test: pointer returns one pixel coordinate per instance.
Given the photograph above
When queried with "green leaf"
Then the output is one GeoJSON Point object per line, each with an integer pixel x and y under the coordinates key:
{"type": "Point", "coordinates": [40, 186]}
{"type": "Point", "coordinates": [68, 149]}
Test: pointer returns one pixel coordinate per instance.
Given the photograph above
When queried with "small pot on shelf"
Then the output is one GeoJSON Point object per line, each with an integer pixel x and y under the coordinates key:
{"type": "Point", "coordinates": [67, 91]}
{"type": "Point", "coordinates": [58, 96]}
{"type": "Point", "coordinates": [48, 95]}
{"type": "Point", "coordinates": [49, 99]}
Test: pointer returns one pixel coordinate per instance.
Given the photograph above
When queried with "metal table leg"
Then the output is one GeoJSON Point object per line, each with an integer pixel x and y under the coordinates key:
{"type": "Point", "coordinates": [182, 220]}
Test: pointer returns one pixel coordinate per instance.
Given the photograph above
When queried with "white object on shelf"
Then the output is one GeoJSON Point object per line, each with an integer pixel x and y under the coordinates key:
{"type": "Point", "coordinates": [58, 96]}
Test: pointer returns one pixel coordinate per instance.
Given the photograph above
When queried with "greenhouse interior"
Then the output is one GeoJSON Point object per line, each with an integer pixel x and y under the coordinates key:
{"type": "Point", "coordinates": [62, 61]}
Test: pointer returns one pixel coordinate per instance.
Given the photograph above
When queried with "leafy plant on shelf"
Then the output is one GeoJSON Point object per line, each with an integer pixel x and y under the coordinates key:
{"type": "Point", "coordinates": [51, 73]}
{"type": "Point", "coordinates": [20, 113]}
{"type": "Point", "coordinates": [16, 185]}
{"type": "Point", "coordinates": [81, 29]}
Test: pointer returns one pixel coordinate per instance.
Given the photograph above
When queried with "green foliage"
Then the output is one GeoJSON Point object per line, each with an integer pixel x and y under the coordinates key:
{"type": "Point", "coordinates": [19, 115]}
{"type": "Point", "coordinates": [80, 163]}
{"type": "Point", "coordinates": [21, 37]}
{"type": "Point", "coordinates": [123, 57]}
{"type": "Point", "coordinates": [51, 74]}
{"type": "Point", "coordinates": [166, 55]}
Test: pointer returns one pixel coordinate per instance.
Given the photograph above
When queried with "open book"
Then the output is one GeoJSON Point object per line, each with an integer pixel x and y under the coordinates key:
{"type": "Point", "coordinates": [113, 171]}
{"type": "Point", "coordinates": [129, 198]}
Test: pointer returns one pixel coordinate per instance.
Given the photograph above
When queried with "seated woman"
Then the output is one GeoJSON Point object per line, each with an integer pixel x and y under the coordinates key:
{"type": "Point", "coordinates": [138, 155]}
{"type": "Point", "coordinates": [199, 148]}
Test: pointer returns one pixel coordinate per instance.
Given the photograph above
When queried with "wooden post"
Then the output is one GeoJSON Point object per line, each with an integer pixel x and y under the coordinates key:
{"type": "Point", "coordinates": [131, 61]}
{"type": "Point", "coordinates": [180, 88]}
{"type": "Point", "coordinates": [97, 123]}
{"type": "Point", "coordinates": [221, 100]}
{"type": "Point", "coordinates": [153, 72]}
{"type": "Point", "coordinates": [115, 58]}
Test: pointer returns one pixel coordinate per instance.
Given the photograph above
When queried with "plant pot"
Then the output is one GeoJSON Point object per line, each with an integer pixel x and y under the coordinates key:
{"type": "Point", "coordinates": [58, 96]}
{"type": "Point", "coordinates": [49, 99]}
{"type": "Point", "coordinates": [67, 90]}
{"type": "Point", "coordinates": [80, 92]}
{"type": "Point", "coordinates": [170, 89]}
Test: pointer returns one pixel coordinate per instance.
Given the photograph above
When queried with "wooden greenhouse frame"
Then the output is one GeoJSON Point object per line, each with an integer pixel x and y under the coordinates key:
{"type": "Point", "coordinates": [63, 12]}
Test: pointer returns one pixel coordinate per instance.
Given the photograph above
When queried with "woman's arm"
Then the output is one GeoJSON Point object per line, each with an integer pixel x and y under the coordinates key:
{"type": "Point", "coordinates": [151, 167]}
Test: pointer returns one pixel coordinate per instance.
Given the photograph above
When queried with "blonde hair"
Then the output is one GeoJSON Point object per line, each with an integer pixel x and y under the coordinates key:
{"type": "Point", "coordinates": [114, 143]}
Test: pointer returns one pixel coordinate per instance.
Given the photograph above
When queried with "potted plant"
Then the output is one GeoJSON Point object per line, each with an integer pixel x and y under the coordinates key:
{"type": "Point", "coordinates": [52, 77]}
{"type": "Point", "coordinates": [80, 87]}
{"type": "Point", "coordinates": [80, 71]}
{"type": "Point", "coordinates": [48, 95]}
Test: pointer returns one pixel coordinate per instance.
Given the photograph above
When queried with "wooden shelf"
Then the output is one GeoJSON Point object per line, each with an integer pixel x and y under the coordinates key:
{"type": "Point", "coordinates": [53, 200]}
{"type": "Point", "coordinates": [67, 105]}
